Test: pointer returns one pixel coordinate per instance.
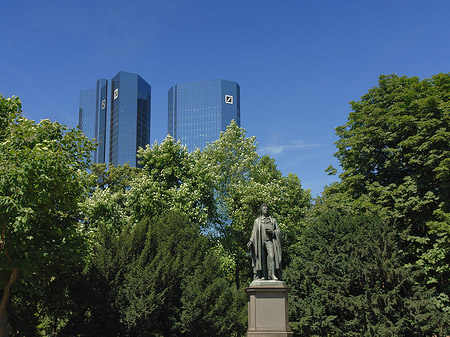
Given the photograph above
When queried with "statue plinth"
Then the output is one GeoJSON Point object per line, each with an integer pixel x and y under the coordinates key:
{"type": "Point", "coordinates": [268, 309]}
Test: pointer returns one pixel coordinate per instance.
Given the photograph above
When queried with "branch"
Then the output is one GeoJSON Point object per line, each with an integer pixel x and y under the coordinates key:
{"type": "Point", "coordinates": [7, 290]}
{"type": "Point", "coordinates": [14, 273]}
{"type": "Point", "coordinates": [2, 239]}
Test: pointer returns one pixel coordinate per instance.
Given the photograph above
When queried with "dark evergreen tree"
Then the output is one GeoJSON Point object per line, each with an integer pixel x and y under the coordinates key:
{"type": "Point", "coordinates": [159, 277]}
{"type": "Point", "coordinates": [349, 279]}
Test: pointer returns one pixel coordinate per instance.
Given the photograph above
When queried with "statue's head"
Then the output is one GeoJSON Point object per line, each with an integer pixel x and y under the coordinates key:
{"type": "Point", "coordinates": [264, 209]}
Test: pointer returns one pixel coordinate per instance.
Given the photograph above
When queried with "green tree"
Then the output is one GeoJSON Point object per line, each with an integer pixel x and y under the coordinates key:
{"type": "Point", "coordinates": [242, 180]}
{"type": "Point", "coordinates": [90, 300]}
{"type": "Point", "coordinates": [219, 189]}
{"type": "Point", "coordinates": [163, 279]}
{"type": "Point", "coordinates": [349, 279]}
{"type": "Point", "coordinates": [395, 148]}
{"type": "Point", "coordinates": [171, 179]}
{"type": "Point", "coordinates": [42, 180]}
{"type": "Point", "coordinates": [105, 210]}
{"type": "Point", "coordinates": [116, 178]}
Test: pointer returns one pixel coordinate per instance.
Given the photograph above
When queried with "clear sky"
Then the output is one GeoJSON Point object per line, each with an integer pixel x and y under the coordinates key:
{"type": "Point", "coordinates": [299, 63]}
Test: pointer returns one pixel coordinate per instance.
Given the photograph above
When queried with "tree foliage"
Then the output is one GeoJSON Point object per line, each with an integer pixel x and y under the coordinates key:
{"type": "Point", "coordinates": [168, 276]}
{"type": "Point", "coordinates": [242, 180]}
{"type": "Point", "coordinates": [116, 178]}
{"type": "Point", "coordinates": [171, 179]}
{"type": "Point", "coordinates": [161, 279]}
{"type": "Point", "coordinates": [396, 147]}
{"type": "Point", "coordinates": [42, 180]}
{"type": "Point", "coordinates": [220, 188]}
{"type": "Point", "coordinates": [394, 151]}
{"type": "Point", "coordinates": [349, 279]}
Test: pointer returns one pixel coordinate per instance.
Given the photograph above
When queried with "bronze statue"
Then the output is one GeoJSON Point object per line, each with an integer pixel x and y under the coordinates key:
{"type": "Point", "coordinates": [265, 244]}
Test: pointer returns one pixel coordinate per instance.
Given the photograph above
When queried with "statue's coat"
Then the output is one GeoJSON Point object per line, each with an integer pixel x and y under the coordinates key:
{"type": "Point", "coordinates": [258, 248]}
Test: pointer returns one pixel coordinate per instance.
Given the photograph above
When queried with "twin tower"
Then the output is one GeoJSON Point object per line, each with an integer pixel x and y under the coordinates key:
{"type": "Point", "coordinates": [118, 115]}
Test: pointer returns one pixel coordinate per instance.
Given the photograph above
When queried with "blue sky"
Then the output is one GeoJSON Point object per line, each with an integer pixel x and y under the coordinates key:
{"type": "Point", "coordinates": [299, 63]}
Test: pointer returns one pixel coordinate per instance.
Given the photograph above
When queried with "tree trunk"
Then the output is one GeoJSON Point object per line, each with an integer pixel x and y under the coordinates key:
{"type": "Point", "coordinates": [4, 324]}
{"type": "Point", "coordinates": [236, 276]}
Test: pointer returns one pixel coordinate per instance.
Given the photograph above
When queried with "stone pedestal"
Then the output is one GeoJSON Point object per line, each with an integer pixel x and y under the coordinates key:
{"type": "Point", "coordinates": [268, 309]}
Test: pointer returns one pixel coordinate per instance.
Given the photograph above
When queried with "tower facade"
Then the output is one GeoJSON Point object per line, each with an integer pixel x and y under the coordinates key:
{"type": "Point", "coordinates": [101, 108]}
{"type": "Point", "coordinates": [117, 114]}
{"type": "Point", "coordinates": [199, 111]}
{"type": "Point", "coordinates": [130, 117]}
{"type": "Point", "coordinates": [87, 116]}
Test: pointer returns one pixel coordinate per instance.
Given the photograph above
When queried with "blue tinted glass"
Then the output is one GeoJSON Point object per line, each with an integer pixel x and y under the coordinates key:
{"type": "Point", "coordinates": [117, 115]}
{"type": "Point", "coordinates": [101, 106]}
{"type": "Point", "coordinates": [199, 111]}
{"type": "Point", "coordinates": [130, 117]}
{"type": "Point", "coordinates": [88, 121]}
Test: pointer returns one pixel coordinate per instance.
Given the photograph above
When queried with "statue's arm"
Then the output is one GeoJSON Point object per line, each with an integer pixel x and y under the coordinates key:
{"type": "Point", "coordinates": [276, 230]}
{"type": "Point", "coordinates": [275, 224]}
{"type": "Point", "coordinates": [252, 236]}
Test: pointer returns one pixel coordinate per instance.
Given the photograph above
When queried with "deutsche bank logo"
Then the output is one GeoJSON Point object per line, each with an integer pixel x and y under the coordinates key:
{"type": "Point", "coordinates": [116, 93]}
{"type": "Point", "coordinates": [104, 104]}
{"type": "Point", "coordinates": [229, 99]}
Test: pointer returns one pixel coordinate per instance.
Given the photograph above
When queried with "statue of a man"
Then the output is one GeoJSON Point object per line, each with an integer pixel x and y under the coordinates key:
{"type": "Point", "coordinates": [265, 244]}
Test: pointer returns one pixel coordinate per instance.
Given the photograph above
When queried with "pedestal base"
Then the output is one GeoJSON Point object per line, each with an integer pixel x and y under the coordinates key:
{"type": "Point", "coordinates": [268, 334]}
{"type": "Point", "coordinates": [268, 309]}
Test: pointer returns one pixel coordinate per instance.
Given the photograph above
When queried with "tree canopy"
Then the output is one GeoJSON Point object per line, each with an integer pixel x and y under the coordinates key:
{"type": "Point", "coordinates": [349, 279]}
{"type": "Point", "coordinates": [160, 250]}
{"type": "Point", "coordinates": [42, 180]}
{"type": "Point", "coordinates": [394, 151]}
{"type": "Point", "coordinates": [396, 147]}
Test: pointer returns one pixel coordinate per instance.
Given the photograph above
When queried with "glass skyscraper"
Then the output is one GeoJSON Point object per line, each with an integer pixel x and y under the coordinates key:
{"type": "Point", "coordinates": [199, 111]}
{"type": "Point", "coordinates": [130, 117]}
{"type": "Point", "coordinates": [102, 108]}
{"type": "Point", "coordinates": [117, 114]}
{"type": "Point", "coordinates": [88, 120]}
